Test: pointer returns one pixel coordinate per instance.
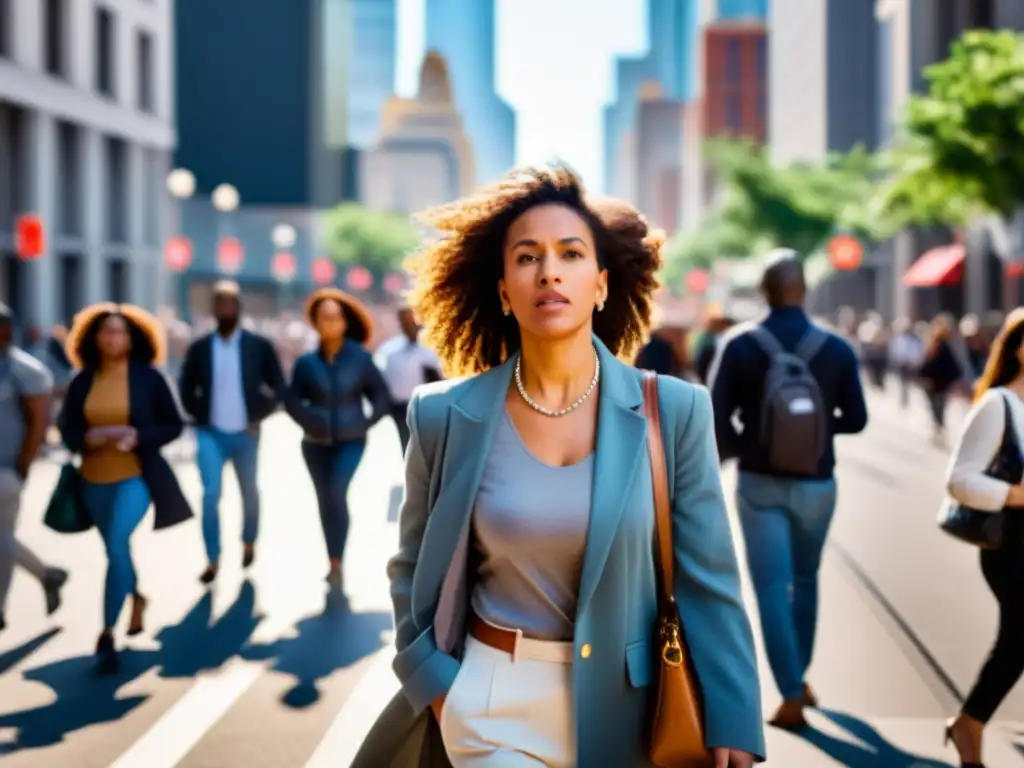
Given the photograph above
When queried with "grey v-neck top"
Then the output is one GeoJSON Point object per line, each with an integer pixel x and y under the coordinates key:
{"type": "Point", "coordinates": [530, 526]}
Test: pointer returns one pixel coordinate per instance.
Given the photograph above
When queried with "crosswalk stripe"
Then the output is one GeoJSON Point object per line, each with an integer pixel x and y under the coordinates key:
{"type": "Point", "coordinates": [192, 716]}
{"type": "Point", "coordinates": [180, 729]}
{"type": "Point", "coordinates": [366, 700]}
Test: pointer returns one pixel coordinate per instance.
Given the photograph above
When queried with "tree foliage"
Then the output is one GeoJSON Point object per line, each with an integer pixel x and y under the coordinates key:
{"type": "Point", "coordinates": [962, 147]}
{"type": "Point", "coordinates": [377, 240]}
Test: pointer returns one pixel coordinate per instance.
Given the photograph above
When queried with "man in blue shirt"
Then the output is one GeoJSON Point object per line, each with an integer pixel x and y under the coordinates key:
{"type": "Point", "coordinates": [785, 517]}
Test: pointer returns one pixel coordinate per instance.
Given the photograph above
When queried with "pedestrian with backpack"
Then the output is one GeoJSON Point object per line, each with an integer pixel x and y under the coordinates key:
{"type": "Point", "coordinates": [792, 386]}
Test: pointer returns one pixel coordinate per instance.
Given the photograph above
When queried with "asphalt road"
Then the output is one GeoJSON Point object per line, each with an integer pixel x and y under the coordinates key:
{"type": "Point", "coordinates": [263, 672]}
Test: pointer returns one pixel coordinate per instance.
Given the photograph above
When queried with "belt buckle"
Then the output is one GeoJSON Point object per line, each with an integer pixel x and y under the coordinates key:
{"type": "Point", "coordinates": [518, 633]}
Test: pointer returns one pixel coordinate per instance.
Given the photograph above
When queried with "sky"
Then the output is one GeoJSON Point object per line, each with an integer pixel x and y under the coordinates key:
{"type": "Point", "coordinates": [554, 67]}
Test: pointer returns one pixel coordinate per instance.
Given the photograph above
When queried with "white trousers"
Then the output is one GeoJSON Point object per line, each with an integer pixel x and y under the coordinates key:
{"type": "Point", "coordinates": [511, 710]}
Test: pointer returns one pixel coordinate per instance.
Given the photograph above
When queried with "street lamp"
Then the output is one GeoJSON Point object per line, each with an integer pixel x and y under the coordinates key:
{"type": "Point", "coordinates": [225, 198]}
{"type": "Point", "coordinates": [181, 183]}
{"type": "Point", "coordinates": [282, 267]}
{"type": "Point", "coordinates": [283, 236]}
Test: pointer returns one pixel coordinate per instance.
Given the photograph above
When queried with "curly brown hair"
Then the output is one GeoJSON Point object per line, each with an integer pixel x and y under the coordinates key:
{"type": "Point", "coordinates": [455, 279]}
{"type": "Point", "coordinates": [148, 343]}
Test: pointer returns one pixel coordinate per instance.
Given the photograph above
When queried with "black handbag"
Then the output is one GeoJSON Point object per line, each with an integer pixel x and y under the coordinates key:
{"type": "Point", "coordinates": [66, 511]}
{"type": "Point", "coordinates": [987, 530]}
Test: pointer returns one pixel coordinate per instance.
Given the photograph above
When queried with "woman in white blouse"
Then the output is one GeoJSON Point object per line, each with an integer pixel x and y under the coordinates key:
{"type": "Point", "coordinates": [1001, 386]}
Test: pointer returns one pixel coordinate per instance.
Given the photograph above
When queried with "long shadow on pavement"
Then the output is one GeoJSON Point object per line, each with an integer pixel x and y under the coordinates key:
{"type": "Point", "coordinates": [10, 659]}
{"type": "Point", "coordinates": [867, 749]}
{"type": "Point", "coordinates": [84, 698]}
{"type": "Point", "coordinates": [327, 642]}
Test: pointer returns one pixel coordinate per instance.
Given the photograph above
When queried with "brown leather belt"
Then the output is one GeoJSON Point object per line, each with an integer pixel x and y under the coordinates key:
{"type": "Point", "coordinates": [499, 639]}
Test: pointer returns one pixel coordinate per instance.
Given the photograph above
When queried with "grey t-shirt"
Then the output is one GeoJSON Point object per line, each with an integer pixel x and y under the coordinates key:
{"type": "Point", "coordinates": [530, 525]}
{"type": "Point", "coordinates": [21, 375]}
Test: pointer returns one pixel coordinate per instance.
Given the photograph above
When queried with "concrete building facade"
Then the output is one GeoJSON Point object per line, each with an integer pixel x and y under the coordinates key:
{"type": "Point", "coordinates": [823, 65]}
{"type": "Point", "coordinates": [87, 117]}
{"type": "Point", "coordinates": [658, 155]}
{"type": "Point", "coordinates": [423, 157]}
{"type": "Point", "coordinates": [735, 92]}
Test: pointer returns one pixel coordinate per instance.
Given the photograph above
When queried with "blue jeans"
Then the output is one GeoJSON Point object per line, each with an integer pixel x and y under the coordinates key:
{"type": "Point", "coordinates": [785, 524]}
{"type": "Point", "coordinates": [213, 449]}
{"type": "Point", "coordinates": [117, 509]}
{"type": "Point", "coordinates": [332, 467]}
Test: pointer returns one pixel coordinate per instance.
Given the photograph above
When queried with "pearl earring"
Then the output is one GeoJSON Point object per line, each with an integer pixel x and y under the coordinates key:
{"type": "Point", "coordinates": [506, 310]}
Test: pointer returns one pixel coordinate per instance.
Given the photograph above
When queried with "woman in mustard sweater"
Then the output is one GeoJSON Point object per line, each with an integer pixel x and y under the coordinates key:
{"type": "Point", "coordinates": [119, 411]}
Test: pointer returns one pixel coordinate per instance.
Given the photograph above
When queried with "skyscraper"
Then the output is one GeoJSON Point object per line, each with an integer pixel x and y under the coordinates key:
{"type": "Point", "coordinates": [272, 124]}
{"type": "Point", "coordinates": [735, 10]}
{"type": "Point", "coordinates": [669, 61]}
{"type": "Point", "coordinates": [463, 32]}
{"type": "Point", "coordinates": [371, 68]}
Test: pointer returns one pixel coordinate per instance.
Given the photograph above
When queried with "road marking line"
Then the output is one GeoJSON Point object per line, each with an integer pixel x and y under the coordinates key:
{"type": "Point", "coordinates": [190, 718]}
{"type": "Point", "coordinates": [193, 715]}
{"type": "Point", "coordinates": [366, 700]}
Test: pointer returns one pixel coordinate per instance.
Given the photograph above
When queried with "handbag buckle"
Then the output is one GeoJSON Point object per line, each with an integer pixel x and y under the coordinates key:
{"type": "Point", "coordinates": [672, 648]}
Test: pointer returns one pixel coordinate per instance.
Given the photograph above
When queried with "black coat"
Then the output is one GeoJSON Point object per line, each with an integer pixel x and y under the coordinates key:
{"type": "Point", "coordinates": [262, 379]}
{"type": "Point", "coordinates": [154, 413]}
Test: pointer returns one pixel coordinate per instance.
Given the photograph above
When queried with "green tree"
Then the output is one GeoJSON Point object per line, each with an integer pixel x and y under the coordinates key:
{"type": "Point", "coordinates": [718, 237]}
{"type": "Point", "coordinates": [378, 240]}
{"type": "Point", "coordinates": [799, 205]}
{"type": "Point", "coordinates": [962, 145]}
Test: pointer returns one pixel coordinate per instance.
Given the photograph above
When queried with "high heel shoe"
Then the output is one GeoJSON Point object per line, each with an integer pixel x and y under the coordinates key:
{"type": "Point", "coordinates": [949, 738]}
{"type": "Point", "coordinates": [107, 661]}
{"type": "Point", "coordinates": [136, 626]}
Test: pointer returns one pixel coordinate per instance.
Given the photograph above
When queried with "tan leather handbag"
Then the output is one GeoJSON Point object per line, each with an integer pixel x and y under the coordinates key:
{"type": "Point", "coordinates": [677, 729]}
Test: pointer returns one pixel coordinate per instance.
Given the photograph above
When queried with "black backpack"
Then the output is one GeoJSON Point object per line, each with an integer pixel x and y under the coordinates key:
{"type": "Point", "coordinates": [794, 424]}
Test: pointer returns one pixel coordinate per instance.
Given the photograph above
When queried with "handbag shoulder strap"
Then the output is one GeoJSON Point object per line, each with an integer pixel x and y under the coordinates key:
{"type": "Point", "coordinates": [1009, 441]}
{"type": "Point", "coordinates": [659, 477]}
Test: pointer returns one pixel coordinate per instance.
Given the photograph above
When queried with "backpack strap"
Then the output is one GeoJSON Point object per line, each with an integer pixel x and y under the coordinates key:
{"type": "Point", "coordinates": [767, 341]}
{"type": "Point", "coordinates": [811, 344]}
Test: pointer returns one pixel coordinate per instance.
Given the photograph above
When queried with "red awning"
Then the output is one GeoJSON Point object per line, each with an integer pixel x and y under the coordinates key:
{"type": "Point", "coordinates": [939, 266]}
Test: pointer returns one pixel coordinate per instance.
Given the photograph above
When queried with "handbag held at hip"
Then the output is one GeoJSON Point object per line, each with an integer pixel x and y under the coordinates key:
{"type": "Point", "coordinates": [987, 530]}
{"type": "Point", "coordinates": [677, 726]}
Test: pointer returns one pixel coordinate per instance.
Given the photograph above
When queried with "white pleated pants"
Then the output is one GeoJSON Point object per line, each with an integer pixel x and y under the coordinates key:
{"type": "Point", "coordinates": [511, 710]}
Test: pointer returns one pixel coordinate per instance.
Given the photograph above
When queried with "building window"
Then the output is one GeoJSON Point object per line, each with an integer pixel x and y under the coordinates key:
{"type": "Point", "coordinates": [733, 61]}
{"type": "Point", "coordinates": [117, 281]}
{"type": "Point", "coordinates": [54, 40]}
{"type": "Point", "coordinates": [761, 59]}
{"type": "Point", "coordinates": [5, 28]}
{"type": "Point", "coordinates": [117, 189]}
{"type": "Point", "coordinates": [72, 283]}
{"type": "Point", "coordinates": [105, 51]}
{"type": "Point", "coordinates": [980, 14]}
{"type": "Point", "coordinates": [144, 66]}
{"type": "Point", "coordinates": [69, 218]}
{"type": "Point", "coordinates": [733, 112]}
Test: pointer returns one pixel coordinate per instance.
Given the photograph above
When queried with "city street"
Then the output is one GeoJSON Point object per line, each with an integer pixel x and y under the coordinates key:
{"type": "Point", "coordinates": [262, 673]}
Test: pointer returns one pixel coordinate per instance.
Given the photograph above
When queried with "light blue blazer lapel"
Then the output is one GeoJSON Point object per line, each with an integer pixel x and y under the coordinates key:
{"type": "Point", "coordinates": [472, 421]}
{"type": "Point", "coordinates": [621, 443]}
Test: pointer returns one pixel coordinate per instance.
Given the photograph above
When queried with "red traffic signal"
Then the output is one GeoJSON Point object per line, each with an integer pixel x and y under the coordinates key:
{"type": "Point", "coordinates": [324, 270]}
{"type": "Point", "coordinates": [230, 255]}
{"type": "Point", "coordinates": [359, 279]}
{"type": "Point", "coordinates": [283, 267]}
{"type": "Point", "coordinates": [845, 252]}
{"type": "Point", "coordinates": [178, 254]}
{"type": "Point", "coordinates": [30, 237]}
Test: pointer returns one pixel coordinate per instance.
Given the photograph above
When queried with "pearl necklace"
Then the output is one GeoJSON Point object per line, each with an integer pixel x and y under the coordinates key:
{"type": "Point", "coordinates": [569, 408]}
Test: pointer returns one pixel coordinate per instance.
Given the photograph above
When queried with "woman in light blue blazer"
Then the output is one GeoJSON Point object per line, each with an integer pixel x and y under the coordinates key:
{"type": "Point", "coordinates": [524, 586]}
